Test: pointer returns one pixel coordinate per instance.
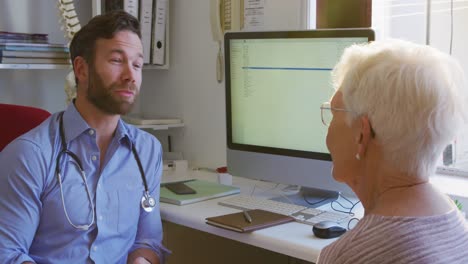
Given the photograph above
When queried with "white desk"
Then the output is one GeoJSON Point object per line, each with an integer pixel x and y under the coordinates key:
{"type": "Point", "coordinates": [291, 239]}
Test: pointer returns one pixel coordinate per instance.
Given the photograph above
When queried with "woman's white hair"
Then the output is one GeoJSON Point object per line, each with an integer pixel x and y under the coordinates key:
{"type": "Point", "coordinates": [414, 96]}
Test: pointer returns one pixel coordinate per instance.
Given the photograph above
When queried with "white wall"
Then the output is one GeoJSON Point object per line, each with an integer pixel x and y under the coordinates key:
{"type": "Point", "coordinates": [40, 88]}
{"type": "Point", "coordinates": [189, 88]}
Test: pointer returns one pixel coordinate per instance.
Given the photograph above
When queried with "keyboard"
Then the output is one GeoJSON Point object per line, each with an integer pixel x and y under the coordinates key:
{"type": "Point", "coordinates": [311, 216]}
{"type": "Point", "coordinates": [244, 202]}
{"type": "Point", "coordinates": [300, 213]}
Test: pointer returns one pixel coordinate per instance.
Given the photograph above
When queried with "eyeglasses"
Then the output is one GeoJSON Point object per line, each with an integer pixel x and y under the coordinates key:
{"type": "Point", "coordinates": [326, 112]}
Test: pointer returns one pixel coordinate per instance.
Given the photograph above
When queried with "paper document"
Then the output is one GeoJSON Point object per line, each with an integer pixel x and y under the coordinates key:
{"type": "Point", "coordinates": [139, 119]}
{"type": "Point", "coordinates": [254, 14]}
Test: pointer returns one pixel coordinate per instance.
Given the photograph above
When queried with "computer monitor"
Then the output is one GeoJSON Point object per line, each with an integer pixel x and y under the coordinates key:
{"type": "Point", "coordinates": [275, 85]}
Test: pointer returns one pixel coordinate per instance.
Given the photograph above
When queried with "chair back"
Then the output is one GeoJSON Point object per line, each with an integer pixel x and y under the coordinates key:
{"type": "Point", "coordinates": [16, 120]}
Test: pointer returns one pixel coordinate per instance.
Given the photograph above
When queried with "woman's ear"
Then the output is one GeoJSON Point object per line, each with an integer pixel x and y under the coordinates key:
{"type": "Point", "coordinates": [363, 135]}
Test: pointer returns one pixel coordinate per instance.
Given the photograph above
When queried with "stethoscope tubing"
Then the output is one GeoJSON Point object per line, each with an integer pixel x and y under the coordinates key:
{"type": "Point", "coordinates": [148, 203]}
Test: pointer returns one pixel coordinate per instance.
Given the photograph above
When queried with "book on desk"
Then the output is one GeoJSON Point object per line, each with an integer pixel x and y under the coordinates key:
{"type": "Point", "coordinates": [205, 190]}
{"type": "Point", "coordinates": [258, 219]}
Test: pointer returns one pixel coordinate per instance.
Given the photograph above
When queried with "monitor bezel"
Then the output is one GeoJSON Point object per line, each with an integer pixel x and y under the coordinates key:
{"type": "Point", "coordinates": [319, 33]}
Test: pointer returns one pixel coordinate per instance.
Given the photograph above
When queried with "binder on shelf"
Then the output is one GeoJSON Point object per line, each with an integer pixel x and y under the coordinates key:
{"type": "Point", "coordinates": [205, 190]}
{"type": "Point", "coordinates": [259, 219]}
{"type": "Point", "coordinates": [130, 6]}
{"type": "Point", "coordinates": [161, 9]}
{"type": "Point", "coordinates": [146, 20]}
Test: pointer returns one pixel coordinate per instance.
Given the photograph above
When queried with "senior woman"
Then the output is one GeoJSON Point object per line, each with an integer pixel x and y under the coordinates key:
{"type": "Point", "coordinates": [396, 106]}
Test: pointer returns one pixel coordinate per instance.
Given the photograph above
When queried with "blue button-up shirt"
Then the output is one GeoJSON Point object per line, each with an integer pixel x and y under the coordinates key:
{"type": "Point", "coordinates": [33, 224]}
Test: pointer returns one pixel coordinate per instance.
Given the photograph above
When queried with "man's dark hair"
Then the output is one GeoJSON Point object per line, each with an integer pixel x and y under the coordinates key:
{"type": "Point", "coordinates": [102, 26]}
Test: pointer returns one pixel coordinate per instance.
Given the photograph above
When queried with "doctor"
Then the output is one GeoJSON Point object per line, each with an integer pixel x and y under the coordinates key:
{"type": "Point", "coordinates": [83, 187]}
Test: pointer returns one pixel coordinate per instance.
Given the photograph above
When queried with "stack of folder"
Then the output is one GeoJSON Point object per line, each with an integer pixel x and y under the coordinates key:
{"type": "Point", "coordinates": [205, 190]}
{"type": "Point", "coordinates": [17, 37]}
{"type": "Point", "coordinates": [31, 53]}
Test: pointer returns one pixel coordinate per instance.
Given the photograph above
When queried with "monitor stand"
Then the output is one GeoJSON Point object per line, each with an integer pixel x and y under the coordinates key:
{"type": "Point", "coordinates": [309, 197]}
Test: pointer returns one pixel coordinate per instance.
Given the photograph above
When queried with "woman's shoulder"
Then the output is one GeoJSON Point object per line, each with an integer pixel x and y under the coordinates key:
{"type": "Point", "coordinates": [415, 227]}
{"type": "Point", "coordinates": [382, 238]}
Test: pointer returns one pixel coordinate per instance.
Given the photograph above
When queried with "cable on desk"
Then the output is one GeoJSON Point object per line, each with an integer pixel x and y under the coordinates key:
{"type": "Point", "coordinates": [263, 190]}
{"type": "Point", "coordinates": [276, 185]}
{"type": "Point", "coordinates": [346, 199]}
{"type": "Point", "coordinates": [350, 220]}
{"type": "Point", "coordinates": [349, 209]}
{"type": "Point", "coordinates": [314, 203]}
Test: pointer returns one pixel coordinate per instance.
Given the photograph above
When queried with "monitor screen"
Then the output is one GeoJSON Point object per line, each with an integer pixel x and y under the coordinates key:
{"type": "Point", "coordinates": [275, 85]}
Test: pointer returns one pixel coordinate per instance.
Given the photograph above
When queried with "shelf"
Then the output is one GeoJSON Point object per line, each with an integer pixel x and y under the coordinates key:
{"type": "Point", "coordinates": [62, 66]}
{"type": "Point", "coordinates": [35, 66]}
{"type": "Point", "coordinates": [153, 67]}
{"type": "Point", "coordinates": [160, 127]}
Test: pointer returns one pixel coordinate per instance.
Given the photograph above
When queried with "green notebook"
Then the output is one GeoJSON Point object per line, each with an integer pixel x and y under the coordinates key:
{"type": "Point", "coordinates": [205, 190]}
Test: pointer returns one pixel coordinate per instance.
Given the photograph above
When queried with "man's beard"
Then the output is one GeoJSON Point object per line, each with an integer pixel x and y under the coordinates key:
{"type": "Point", "coordinates": [102, 97]}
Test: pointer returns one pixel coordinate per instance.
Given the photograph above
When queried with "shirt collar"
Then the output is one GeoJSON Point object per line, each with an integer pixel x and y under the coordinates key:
{"type": "Point", "coordinates": [75, 125]}
{"type": "Point", "coordinates": [122, 133]}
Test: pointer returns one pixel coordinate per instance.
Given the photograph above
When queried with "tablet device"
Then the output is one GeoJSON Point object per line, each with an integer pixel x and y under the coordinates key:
{"type": "Point", "coordinates": [179, 188]}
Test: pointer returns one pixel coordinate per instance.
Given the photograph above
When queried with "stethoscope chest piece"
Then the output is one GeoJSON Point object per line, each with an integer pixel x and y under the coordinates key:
{"type": "Point", "coordinates": [148, 203]}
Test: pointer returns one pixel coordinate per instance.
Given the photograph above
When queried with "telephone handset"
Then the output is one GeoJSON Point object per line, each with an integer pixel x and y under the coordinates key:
{"type": "Point", "coordinates": [215, 11]}
{"type": "Point", "coordinates": [226, 15]}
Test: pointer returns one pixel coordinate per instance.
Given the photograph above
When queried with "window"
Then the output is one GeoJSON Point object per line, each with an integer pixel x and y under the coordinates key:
{"type": "Point", "coordinates": [439, 23]}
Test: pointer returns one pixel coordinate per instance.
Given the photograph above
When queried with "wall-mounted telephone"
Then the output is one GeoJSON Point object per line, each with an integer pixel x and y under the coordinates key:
{"type": "Point", "coordinates": [226, 15]}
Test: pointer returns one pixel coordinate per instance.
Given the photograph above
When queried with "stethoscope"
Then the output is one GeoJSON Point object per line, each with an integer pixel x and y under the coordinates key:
{"type": "Point", "coordinates": [148, 203]}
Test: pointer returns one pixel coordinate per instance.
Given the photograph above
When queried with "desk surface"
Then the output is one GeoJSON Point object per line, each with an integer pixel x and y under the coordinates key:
{"type": "Point", "coordinates": [292, 239]}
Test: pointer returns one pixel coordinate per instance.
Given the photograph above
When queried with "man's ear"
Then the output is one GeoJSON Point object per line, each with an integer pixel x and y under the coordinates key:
{"type": "Point", "coordinates": [81, 69]}
{"type": "Point", "coordinates": [363, 135]}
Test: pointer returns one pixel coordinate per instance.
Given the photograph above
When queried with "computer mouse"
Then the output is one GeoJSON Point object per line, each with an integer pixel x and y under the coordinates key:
{"type": "Point", "coordinates": [328, 229]}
